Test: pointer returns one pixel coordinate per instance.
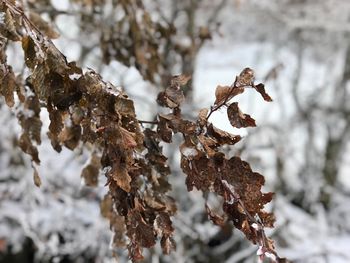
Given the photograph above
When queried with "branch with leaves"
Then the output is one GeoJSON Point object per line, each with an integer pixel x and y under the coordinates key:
{"type": "Point", "coordinates": [85, 110]}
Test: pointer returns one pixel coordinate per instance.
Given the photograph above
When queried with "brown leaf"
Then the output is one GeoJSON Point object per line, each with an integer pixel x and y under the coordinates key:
{"type": "Point", "coordinates": [139, 231]}
{"type": "Point", "coordinates": [210, 145]}
{"type": "Point", "coordinates": [42, 25]}
{"type": "Point", "coordinates": [124, 106]}
{"type": "Point", "coordinates": [223, 137]}
{"type": "Point", "coordinates": [28, 46]}
{"type": "Point", "coordinates": [8, 85]}
{"type": "Point", "coordinates": [179, 80]}
{"type": "Point", "coordinates": [91, 171]}
{"type": "Point", "coordinates": [261, 89]}
{"type": "Point", "coordinates": [225, 93]}
{"type": "Point", "coordinates": [237, 118]}
{"type": "Point", "coordinates": [171, 98]}
{"type": "Point", "coordinates": [9, 28]}
{"type": "Point", "coordinates": [202, 116]}
{"type": "Point", "coordinates": [163, 224]}
{"type": "Point", "coordinates": [129, 138]}
{"type": "Point", "coordinates": [168, 244]}
{"type": "Point", "coordinates": [56, 120]}
{"type": "Point", "coordinates": [70, 136]}
{"type": "Point", "coordinates": [106, 206]}
{"type": "Point", "coordinates": [163, 129]}
{"type": "Point", "coordinates": [245, 78]}
{"type": "Point", "coordinates": [217, 219]}
{"type": "Point", "coordinates": [122, 177]}
{"type": "Point", "coordinates": [204, 33]}
{"type": "Point", "coordinates": [36, 177]}
{"type": "Point", "coordinates": [27, 147]}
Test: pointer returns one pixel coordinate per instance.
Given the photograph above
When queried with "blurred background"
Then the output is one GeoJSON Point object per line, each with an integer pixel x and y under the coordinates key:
{"type": "Point", "coordinates": [300, 49]}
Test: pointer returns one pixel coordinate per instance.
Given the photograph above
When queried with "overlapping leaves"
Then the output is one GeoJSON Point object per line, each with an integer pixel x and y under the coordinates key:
{"type": "Point", "coordinates": [85, 110]}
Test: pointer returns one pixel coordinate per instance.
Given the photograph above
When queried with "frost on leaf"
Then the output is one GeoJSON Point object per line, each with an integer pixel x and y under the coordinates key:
{"type": "Point", "coordinates": [237, 118]}
{"type": "Point", "coordinates": [245, 78]}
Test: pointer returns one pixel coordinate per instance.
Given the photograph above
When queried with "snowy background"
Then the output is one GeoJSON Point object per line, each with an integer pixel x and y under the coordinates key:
{"type": "Point", "coordinates": [301, 50]}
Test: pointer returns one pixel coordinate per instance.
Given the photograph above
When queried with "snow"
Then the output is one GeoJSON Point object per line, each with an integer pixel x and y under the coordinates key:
{"type": "Point", "coordinates": [189, 152]}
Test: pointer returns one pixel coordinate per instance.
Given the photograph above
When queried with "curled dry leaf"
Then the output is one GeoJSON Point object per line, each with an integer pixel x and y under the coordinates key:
{"type": "Point", "coordinates": [223, 137]}
{"type": "Point", "coordinates": [237, 118]}
{"type": "Point", "coordinates": [245, 78]}
{"type": "Point", "coordinates": [261, 89]}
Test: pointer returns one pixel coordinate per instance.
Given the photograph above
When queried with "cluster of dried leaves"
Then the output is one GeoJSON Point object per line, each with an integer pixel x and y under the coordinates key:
{"type": "Point", "coordinates": [85, 110]}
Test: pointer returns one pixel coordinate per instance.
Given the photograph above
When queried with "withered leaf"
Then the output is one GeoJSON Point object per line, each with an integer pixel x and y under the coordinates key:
{"type": "Point", "coordinates": [28, 46]}
{"type": "Point", "coordinates": [163, 224]}
{"type": "Point", "coordinates": [70, 136]}
{"type": "Point", "coordinates": [121, 176]}
{"type": "Point", "coordinates": [106, 206]}
{"type": "Point", "coordinates": [42, 25]}
{"type": "Point", "coordinates": [124, 106]}
{"type": "Point", "coordinates": [237, 118]}
{"type": "Point", "coordinates": [8, 86]}
{"type": "Point", "coordinates": [164, 131]}
{"type": "Point", "coordinates": [168, 244]}
{"type": "Point", "coordinates": [261, 89]}
{"type": "Point", "coordinates": [209, 144]}
{"type": "Point", "coordinates": [223, 137]}
{"type": "Point", "coordinates": [217, 219]}
{"type": "Point", "coordinates": [171, 98]}
{"type": "Point", "coordinates": [225, 93]}
{"type": "Point", "coordinates": [245, 78]}
{"type": "Point", "coordinates": [139, 231]}
{"type": "Point", "coordinates": [9, 28]}
{"type": "Point", "coordinates": [135, 251]}
{"type": "Point", "coordinates": [129, 138]}
{"type": "Point", "coordinates": [179, 80]}
{"type": "Point", "coordinates": [27, 147]}
{"type": "Point", "coordinates": [117, 223]}
{"type": "Point", "coordinates": [56, 121]}
{"type": "Point", "coordinates": [202, 116]}
{"type": "Point", "coordinates": [36, 177]}
{"type": "Point", "coordinates": [91, 171]}
{"type": "Point", "coordinates": [204, 33]}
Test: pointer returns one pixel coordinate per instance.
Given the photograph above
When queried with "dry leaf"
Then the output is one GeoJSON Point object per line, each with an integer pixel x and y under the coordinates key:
{"type": "Point", "coordinates": [237, 118]}
{"type": "Point", "coordinates": [225, 93]}
{"type": "Point", "coordinates": [36, 177]}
